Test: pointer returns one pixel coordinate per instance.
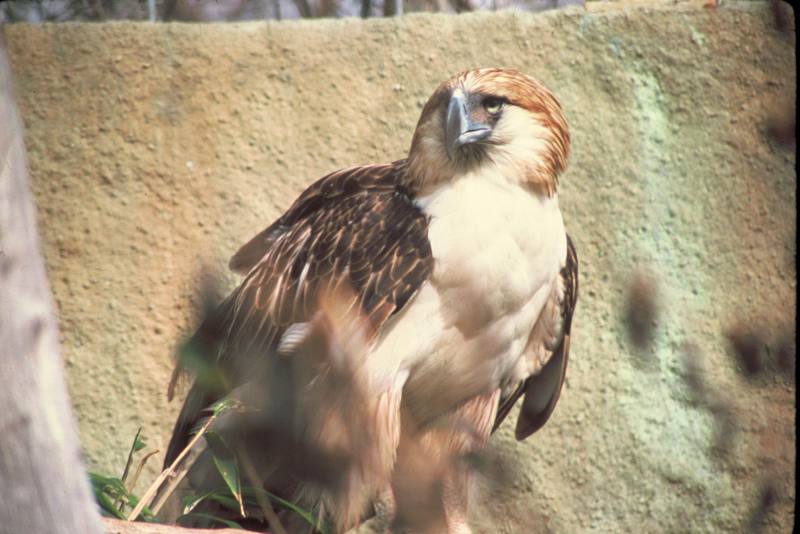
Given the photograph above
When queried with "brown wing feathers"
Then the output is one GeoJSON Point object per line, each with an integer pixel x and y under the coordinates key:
{"type": "Point", "coordinates": [353, 228]}
{"type": "Point", "coordinates": [337, 184]}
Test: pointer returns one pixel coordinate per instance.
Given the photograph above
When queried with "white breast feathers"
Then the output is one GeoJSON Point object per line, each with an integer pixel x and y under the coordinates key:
{"type": "Point", "coordinates": [498, 249]}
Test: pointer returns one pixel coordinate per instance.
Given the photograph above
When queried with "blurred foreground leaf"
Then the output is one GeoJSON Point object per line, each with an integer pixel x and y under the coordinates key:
{"type": "Point", "coordinates": [110, 490]}
{"type": "Point", "coordinates": [225, 404]}
{"type": "Point", "coordinates": [103, 488]}
{"type": "Point", "coordinates": [138, 442]}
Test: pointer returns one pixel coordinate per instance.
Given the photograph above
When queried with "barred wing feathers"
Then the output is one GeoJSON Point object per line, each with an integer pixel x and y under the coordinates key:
{"type": "Point", "coordinates": [354, 230]}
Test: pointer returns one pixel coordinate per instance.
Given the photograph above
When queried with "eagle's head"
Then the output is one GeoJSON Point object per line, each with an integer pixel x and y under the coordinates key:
{"type": "Point", "coordinates": [490, 117]}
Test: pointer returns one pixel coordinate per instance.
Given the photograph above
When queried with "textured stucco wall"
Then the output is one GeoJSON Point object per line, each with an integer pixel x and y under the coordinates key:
{"type": "Point", "coordinates": [156, 150]}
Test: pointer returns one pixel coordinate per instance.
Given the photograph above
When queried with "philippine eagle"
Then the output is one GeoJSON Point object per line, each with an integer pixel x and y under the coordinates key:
{"type": "Point", "coordinates": [422, 297]}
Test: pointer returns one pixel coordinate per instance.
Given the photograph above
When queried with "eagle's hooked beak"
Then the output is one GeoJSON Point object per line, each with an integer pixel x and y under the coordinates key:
{"type": "Point", "coordinates": [461, 128]}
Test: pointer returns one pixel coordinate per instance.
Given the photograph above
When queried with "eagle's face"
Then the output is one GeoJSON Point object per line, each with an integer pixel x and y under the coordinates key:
{"type": "Point", "coordinates": [490, 118]}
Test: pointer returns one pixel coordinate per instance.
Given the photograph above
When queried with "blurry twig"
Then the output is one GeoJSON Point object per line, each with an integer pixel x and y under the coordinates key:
{"type": "Point", "coordinates": [140, 467]}
{"type": "Point", "coordinates": [463, 6]}
{"type": "Point", "coordinates": [392, 8]}
{"type": "Point", "coordinates": [120, 526]}
{"type": "Point", "coordinates": [304, 8]}
{"type": "Point", "coordinates": [256, 482]}
{"type": "Point", "coordinates": [99, 10]}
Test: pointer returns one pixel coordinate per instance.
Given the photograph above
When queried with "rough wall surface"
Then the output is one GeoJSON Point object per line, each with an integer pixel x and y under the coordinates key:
{"type": "Point", "coordinates": [156, 150]}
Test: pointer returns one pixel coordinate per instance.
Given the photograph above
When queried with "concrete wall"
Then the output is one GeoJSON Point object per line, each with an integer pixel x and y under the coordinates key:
{"type": "Point", "coordinates": [156, 150]}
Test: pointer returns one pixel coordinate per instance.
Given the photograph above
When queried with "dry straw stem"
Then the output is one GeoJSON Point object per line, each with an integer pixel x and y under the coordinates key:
{"type": "Point", "coordinates": [154, 487]}
{"type": "Point", "coordinates": [173, 483]}
{"type": "Point", "coordinates": [129, 461]}
{"type": "Point", "coordinates": [140, 467]}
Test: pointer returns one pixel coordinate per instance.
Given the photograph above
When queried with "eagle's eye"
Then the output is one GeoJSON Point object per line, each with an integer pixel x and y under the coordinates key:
{"type": "Point", "coordinates": [493, 104]}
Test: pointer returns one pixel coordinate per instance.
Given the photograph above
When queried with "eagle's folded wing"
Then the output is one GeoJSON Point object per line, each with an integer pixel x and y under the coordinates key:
{"type": "Point", "coordinates": [353, 230]}
{"type": "Point", "coordinates": [547, 352]}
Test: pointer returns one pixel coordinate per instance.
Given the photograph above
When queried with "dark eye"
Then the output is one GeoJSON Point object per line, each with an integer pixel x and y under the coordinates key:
{"type": "Point", "coordinates": [493, 104]}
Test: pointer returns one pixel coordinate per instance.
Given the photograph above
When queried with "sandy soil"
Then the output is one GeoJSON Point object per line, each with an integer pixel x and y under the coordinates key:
{"type": "Point", "coordinates": [156, 150]}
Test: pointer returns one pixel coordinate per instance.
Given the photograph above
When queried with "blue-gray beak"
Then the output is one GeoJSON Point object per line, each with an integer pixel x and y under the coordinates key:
{"type": "Point", "coordinates": [461, 129]}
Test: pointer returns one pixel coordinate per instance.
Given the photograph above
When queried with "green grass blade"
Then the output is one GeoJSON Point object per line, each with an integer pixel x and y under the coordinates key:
{"type": "Point", "coordinates": [137, 445]}
{"type": "Point", "coordinates": [109, 484]}
{"type": "Point", "coordinates": [226, 464]}
{"type": "Point", "coordinates": [107, 505]}
{"type": "Point", "coordinates": [110, 490]}
{"type": "Point", "coordinates": [138, 442]}
{"type": "Point", "coordinates": [224, 404]}
{"type": "Point", "coordinates": [190, 502]}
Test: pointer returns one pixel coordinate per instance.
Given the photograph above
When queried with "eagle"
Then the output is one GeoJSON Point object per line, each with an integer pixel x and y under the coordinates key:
{"type": "Point", "coordinates": [396, 312]}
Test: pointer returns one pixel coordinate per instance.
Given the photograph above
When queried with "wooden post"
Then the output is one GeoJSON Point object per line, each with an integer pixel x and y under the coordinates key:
{"type": "Point", "coordinates": [44, 484]}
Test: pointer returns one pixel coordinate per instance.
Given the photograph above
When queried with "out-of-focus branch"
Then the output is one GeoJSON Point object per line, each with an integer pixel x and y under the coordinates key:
{"type": "Point", "coordinates": [118, 526]}
{"type": "Point", "coordinates": [392, 8]}
{"type": "Point", "coordinates": [45, 488]}
{"type": "Point", "coordinates": [462, 6]}
{"type": "Point", "coordinates": [304, 8]}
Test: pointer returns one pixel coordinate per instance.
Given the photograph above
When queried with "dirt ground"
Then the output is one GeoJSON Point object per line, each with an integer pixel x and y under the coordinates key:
{"type": "Point", "coordinates": [155, 150]}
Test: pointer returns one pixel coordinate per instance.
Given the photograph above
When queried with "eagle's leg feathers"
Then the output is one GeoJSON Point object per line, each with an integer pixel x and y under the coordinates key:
{"type": "Point", "coordinates": [433, 476]}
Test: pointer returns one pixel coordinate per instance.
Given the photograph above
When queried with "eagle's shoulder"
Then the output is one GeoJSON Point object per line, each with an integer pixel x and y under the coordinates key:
{"type": "Point", "coordinates": [319, 195]}
{"type": "Point", "coordinates": [355, 229]}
